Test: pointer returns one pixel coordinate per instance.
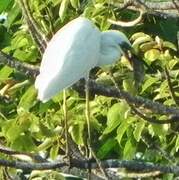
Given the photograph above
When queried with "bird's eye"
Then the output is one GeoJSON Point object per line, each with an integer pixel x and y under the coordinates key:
{"type": "Point", "coordinates": [125, 46]}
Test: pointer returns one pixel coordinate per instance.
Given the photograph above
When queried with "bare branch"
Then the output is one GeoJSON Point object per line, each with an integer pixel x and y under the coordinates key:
{"type": "Point", "coordinates": [9, 151]}
{"type": "Point", "coordinates": [152, 119]}
{"type": "Point", "coordinates": [95, 88]}
{"type": "Point", "coordinates": [29, 70]}
{"type": "Point", "coordinates": [33, 27]}
{"type": "Point", "coordinates": [128, 24]}
{"type": "Point", "coordinates": [111, 163]}
{"type": "Point", "coordinates": [159, 9]}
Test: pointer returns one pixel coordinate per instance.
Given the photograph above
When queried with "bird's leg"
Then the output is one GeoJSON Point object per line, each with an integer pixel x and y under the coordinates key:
{"type": "Point", "coordinates": [66, 127]}
{"type": "Point", "coordinates": [87, 113]}
{"type": "Point", "coordinates": [91, 153]}
{"type": "Point", "coordinates": [88, 117]}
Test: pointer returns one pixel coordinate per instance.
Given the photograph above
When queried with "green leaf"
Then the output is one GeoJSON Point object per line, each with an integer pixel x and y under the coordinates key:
{"type": "Point", "coordinates": [45, 144]}
{"type": "Point", "coordinates": [148, 83]}
{"type": "Point", "coordinates": [152, 54]}
{"type": "Point", "coordinates": [123, 128]}
{"type": "Point", "coordinates": [75, 3]}
{"type": "Point", "coordinates": [138, 130]}
{"type": "Point", "coordinates": [46, 131]}
{"type": "Point", "coordinates": [115, 116]}
{"type": "Point", "coordinates": [56, 2]}
{"type": "Point", "coordinates": [28, 99]}
{"type": "Point", "coordinates": [165, 57]}
{"type": "Point", "coordinates": [106, 148]}
{"type": "Point", "coordinates": [5, 72]}
{"type": "Point", "coordinates": [4, 4]}
{"type": "Point", "coordinates": [158, 130]}
{"type": "Point", "coordinates": [129, 150]}
{"type": "Point", "coordinates": [76, 132]}
{"type": "Point", "coordinates": [11, 130]}
{"type": "Point", "coordinates": [24, 142]}
{"type": "Point", "coordinates": [147, 46]}
{"type": "Point", "coordinates": [137, 35]}
{"type": "Point", "coordinates": [54, 151]}
{"type": "Point", "coordinates": [177, 144]}
{"type": "Point", "coordinates": [141, 40]}
{"type": "Point", "coordinates": [172, 63]}
{"type": "Point", "coordinates": [4, 36]}
{"type": "Point", "coordinates": [170, 45]}
{"type": "Point", "coordinates": [12, 15]}
{"type": "Point", "coordinates": [63, 9]}
{"type": "Point", "coordinates": [26, 55]}
{"type": "Point", "coordinates": [129, 86]}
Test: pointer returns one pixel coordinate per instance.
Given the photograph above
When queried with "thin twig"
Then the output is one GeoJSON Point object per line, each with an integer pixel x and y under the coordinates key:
{"type": "Point", "coordinates": [30, 70]}
{"type": "Point", "coordinates": [155, 146]}
{"type": "Point", "coordinates": [33, 28]}
{"type": "Point", "coordinates": [96, 88]}
{"type": "Point", "coordinates": [152, 120]}
{"type": "Point", "coordinates": [9, 151]}
{"type": "Point", "coordinates": [128, 24]}
{"type": "Point", "coordinates": [167, 75]}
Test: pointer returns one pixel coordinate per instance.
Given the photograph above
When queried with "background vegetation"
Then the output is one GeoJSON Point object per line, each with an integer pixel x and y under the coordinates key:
{"type": "Point", "coordinates": [122, 129]}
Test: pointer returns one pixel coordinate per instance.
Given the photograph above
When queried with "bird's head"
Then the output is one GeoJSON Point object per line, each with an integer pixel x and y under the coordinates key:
{"type": "Point", "coordinates": [114, 44]}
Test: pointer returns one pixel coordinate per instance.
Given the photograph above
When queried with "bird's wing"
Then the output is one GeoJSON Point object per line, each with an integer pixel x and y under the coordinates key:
{"type": "Point", "coordinates": [69, 56]}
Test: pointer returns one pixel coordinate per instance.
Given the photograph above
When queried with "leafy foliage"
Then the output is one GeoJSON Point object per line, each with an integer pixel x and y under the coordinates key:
{"type": "Point", "coordinates": [31, 126]}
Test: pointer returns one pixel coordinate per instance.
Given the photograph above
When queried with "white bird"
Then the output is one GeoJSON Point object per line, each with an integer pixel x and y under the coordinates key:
{"type": "Point", "coordinates": [73, 51]}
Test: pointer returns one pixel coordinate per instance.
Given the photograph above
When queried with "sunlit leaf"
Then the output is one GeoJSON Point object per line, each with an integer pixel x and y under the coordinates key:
{"type": "Point", "coordinates": [54, 151]}
{"type": "Point", "coordinates": [77, 133]}
{"type": "Point", "coordinates": [75, 3]}
{"type": "Point", "coordinates": [123, 128]}
{"type": "Point", "coordinates": [28, 99]}
{"type": "Point", "coordinates": [115, 116]}
{"type": "Point", "coordinates": [148, 83]}
{"type": "Point", "coordinates": [129, 150]}
{"type": "Point", "coordinates": [63, 9]}
{"type": "Point", "coordinates": [137, 35]}
{"type": "Point", "coordinates": [141, 40]}
{"type": "Point", "coordinates": [152, 55]}
{"type": "Point", "coordinates": [170, 45]}
{"type": "Point", "coordinates": [138, 130]}
{"type": "Point", "coordinates": [147, 46]}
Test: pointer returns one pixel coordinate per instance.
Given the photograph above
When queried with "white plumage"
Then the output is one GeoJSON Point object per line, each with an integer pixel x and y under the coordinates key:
{"type": "Point", "coordinates": [72, 52]}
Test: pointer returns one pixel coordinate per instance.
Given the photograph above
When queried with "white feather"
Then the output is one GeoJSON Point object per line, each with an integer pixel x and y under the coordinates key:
{"type": "Point", "coordinates": [69, 56]}
{"type": "Point", "coordinates": [72, 52]}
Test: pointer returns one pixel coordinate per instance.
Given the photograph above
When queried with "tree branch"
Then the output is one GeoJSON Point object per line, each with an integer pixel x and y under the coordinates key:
{"type": "Point", "coordinates": [159, 9]}
{"type": "Point", "coordinates": [29, 70]}
{"type": "Point", "coordinates": [151, 119]}
{"type": "Point", "coordinates": [9, 151]}
{"type": "Point", "coordinates": [99, 89]}
{"type": "Point", "coordinates": [33, 27]}
{"type": "Point", "coordinates": [128, 24]}
{"type": "Point", "coordinates": [112, 163]}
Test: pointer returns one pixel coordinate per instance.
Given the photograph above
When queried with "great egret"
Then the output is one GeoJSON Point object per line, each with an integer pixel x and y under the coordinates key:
{"type": "Point", "coordinates": [72, 52]}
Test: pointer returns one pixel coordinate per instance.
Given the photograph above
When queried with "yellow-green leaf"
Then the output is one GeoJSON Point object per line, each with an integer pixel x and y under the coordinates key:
{"type": "Point", "coordinates": [138, 130]}
{"type": "Point", "coordinates": [63, 9]}
{"type": "Point", "coordinates": [137, 35]}
{"type": "Point", "coordinates": [148, 83]}
{"type": "Point", "coordinates": [115, 116]}
{"type": "Point", "coordinates": [75, 3]}
{"type": "Point", "coordinates": [28, 99]}
{"type": "Point", "coordinates": [152, 54]}
{"type": "Point", "coordinates": [170, 45]}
